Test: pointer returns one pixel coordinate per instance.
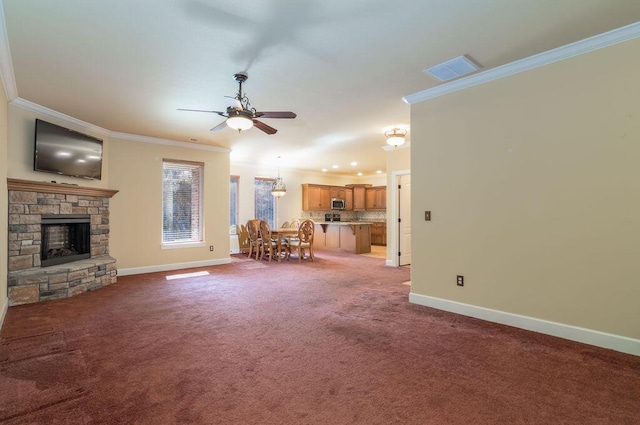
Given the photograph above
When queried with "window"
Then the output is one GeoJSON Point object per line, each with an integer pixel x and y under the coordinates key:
{"type": "Point", "coordinates": [234, 187]}
{"type": "Point", "coordinates": [265, 202]}
{"type": "Point", "coordinates": [181, 201]}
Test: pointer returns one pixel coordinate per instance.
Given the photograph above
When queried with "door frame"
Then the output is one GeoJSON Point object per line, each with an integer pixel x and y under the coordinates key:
{"type": "Point", "coordinates": [393, 234]}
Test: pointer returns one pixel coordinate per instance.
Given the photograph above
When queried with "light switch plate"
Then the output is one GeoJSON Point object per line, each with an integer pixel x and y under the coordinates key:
{"type": "Point", "coordinates": [427, 216]}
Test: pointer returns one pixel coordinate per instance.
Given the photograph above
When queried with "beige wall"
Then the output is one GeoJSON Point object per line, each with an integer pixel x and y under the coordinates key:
{"type": "Point", "coordinates": [135, 170]}
{"type": "Point", "coordinates": [533, 182]}
{"type": "Point", "coordinates": [4, 207]}
{"type": "Point", "coordinates": [290, 205]}
{"type": "Point", "coordinates": [21, 145]}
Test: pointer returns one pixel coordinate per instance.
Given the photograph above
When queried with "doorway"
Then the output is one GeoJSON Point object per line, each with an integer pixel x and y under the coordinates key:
{"type": "Point", "coordinates": [404, 219]}
{"type": "Point", "coordinates": [399, 228]}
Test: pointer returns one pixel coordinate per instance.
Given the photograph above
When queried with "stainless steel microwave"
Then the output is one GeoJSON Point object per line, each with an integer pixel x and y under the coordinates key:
{"type": "Point", "coordinates": [338, 204]}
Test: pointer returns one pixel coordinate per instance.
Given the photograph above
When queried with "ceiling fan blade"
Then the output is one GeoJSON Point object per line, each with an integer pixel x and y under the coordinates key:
{"type": "Point", "coordinates": [266, 128]}
{"type": "Point", "coordinates": [234, 103]}
{"type": "Point", "coordinates": [276, 114]}
{"type": "Point", "coordinates": [200, 110]}
{"type": "Point", "coordinates": [220, 126]}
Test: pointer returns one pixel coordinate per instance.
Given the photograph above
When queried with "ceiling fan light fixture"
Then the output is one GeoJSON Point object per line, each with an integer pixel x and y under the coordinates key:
{"type": "Point", "coordinates": [239, 122]}
{"type": "Point", "coordinates": [395, 137]}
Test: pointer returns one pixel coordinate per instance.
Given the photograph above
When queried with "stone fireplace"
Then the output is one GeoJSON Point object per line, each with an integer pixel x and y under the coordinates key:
{"type": "Point", "coordinates": [58, 240]}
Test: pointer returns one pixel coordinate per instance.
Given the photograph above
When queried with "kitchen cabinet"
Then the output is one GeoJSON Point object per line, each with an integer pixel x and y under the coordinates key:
{"type": "Point", "coordinates": [379, 234]}
{"type": "Point", "coordinates": [353, 237]}
{"type": "Point", "coordinates": [348, 196]}
{"type": "Point", "coordinates": [316, 197]}
{"type": "Point", "coordinates": [376, 198]}
{"type": "Point", "coordinates": [359, 196]}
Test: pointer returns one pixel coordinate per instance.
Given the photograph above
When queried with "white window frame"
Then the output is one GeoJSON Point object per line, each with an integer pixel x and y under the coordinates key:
{"type": "Point", "coordinates": [197, 236]}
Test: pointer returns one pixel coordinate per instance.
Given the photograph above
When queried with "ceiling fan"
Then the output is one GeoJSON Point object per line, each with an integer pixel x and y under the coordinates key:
{"type": "Point", "coordinates": [240, 115]}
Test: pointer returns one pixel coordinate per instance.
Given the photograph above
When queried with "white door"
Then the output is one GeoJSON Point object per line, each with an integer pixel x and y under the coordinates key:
{"type": "Point", "coordinates": [404, 213]}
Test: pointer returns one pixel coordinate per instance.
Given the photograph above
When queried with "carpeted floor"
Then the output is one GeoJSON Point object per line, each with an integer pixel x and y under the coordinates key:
{"type": "Point", "coordinates": [327, 342]}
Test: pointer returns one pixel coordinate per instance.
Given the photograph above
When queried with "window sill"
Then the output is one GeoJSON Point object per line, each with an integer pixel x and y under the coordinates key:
{"type": "Point", "coordinates": [178, 245]}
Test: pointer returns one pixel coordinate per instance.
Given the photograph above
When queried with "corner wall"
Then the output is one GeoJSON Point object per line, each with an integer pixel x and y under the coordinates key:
{"type": "Point", "coordinates": [4, 206]}
{"type": "Point", "coordinates": [533, 184]}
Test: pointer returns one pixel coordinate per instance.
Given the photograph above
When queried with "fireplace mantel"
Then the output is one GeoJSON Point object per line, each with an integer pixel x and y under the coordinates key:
{"type": "Point", "coordinates": [60, 188]}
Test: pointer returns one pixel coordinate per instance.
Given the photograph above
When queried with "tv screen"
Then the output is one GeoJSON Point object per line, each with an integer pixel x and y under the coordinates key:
{"type": "Point", "coordinates": [63, 151]}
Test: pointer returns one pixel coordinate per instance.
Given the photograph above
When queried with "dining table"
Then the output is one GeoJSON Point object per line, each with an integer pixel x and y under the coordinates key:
{"type": "Point", "coordinates": [281, 233]}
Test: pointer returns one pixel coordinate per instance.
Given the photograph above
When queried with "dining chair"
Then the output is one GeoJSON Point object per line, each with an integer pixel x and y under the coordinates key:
{"type": "Point", "coordinates": [304, 240]}
{"type": "Point", "coordinates": [255, 242]}
{"type": "Point", "coordinates": [244, 242]}
{"type": "Point", "coordinates": [269, 245]}
{"type": "Point", "coordinates": [285, 224]}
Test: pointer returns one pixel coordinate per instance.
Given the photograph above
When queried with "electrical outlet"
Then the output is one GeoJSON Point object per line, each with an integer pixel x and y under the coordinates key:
{"type": "Point", "coordinates": [427, 216]}
{"type": "Point", "coordinates": [460, 280]}
{"type": "Point", "coordinates": [210, 247]}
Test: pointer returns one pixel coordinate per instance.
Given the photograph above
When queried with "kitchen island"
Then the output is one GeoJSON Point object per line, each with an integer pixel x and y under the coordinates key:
{"type": "Point", "coordinates": [350, 236]}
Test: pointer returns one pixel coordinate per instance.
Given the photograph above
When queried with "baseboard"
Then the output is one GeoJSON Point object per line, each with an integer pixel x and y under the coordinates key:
{"type": "Point", "coordinates": [175, 266]}
{"type": "Point", "coordinates": [3, 312]}
{"type": "Point", "coordinates": [573, 333]}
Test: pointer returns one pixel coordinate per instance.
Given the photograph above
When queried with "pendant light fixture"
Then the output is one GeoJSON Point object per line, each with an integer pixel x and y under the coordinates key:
{"type": "Point", "coordinates": [279, 189]}
{"type": "Point", "coordinates": [395, 136]}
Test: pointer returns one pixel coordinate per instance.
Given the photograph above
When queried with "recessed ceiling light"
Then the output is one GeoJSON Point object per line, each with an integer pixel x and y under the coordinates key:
{"type": "Point", "coordinates": [324, 170]}
{"type": "Point", "coordinates": [354, 163]}
{"type": "Point", "coordinates": [378, 172]}
{"type": "Point", "coordinates": [334, 166]}
{"type": "Point", "coordinates": [359, 174]}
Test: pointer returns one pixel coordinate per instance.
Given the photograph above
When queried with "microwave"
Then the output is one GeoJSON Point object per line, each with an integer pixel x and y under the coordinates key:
{"type": "Point", "coordinates": [338, 204]}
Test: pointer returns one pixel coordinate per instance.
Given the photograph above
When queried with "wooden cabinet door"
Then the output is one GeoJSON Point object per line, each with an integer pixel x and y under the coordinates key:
{"type": "Point", "coordinates": [376, 198]}
{"type": "Point", "coordinates": [359, 196]}
{"type": "Point", "coordinates": [319, 198]}
{"type": "Point", "coordinates": [348, 196]}
{"type": "Point", "coordinates": [315, 198]}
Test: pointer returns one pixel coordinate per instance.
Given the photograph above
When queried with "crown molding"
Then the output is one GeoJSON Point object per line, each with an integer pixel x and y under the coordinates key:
{"type": "Point", "coordinates": [6, 65]}
{"type": "Point", "coordinates": [166, 142]}
{"type": "Point", "coordinates": [43, 110]}
{"type": "Point", "coordinates": [94, 129]}
{"type": "Point", "coordinates": [581, 47]}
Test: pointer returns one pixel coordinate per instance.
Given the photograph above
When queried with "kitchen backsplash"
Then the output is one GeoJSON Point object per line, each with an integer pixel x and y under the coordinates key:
{"type": "Point", "coordinates": [373, 216]}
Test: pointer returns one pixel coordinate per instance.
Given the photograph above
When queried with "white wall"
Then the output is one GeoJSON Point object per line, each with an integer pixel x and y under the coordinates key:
{"type": "Point", "coordinates": [4, 205]}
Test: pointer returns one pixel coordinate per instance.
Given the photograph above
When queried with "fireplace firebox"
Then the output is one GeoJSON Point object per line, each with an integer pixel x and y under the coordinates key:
{"type": "Point", "coordinates": [65, 238]}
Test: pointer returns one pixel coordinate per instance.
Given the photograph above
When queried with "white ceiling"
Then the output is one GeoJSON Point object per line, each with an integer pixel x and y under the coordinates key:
{"type": "Point", "coordinates": [342, 66]}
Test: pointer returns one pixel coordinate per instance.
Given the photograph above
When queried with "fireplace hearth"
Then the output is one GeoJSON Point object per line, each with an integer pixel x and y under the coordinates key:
{"type": "Point", "coordinates": [65, 238]}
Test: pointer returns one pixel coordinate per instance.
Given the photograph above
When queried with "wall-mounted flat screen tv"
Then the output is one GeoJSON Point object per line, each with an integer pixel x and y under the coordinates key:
{"type": "Point", "coordinates": [63, 151]}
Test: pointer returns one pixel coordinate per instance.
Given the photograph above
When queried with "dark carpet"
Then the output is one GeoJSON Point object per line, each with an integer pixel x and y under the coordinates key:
{"type": "Point", "coordinates": [333, 341]}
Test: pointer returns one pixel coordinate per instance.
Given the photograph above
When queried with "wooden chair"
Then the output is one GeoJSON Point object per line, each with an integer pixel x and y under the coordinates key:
{"type": "Point", "coordinates": [269, 245]}
{"type": "Point", "coordinates": [304, 240]}
{"type": "Point", "coordinates": [243, 239]}
{"type": "Point", "coordinates": [255, 242]}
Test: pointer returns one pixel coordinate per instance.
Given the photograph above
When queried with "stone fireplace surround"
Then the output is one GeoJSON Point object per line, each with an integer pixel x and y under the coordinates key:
{"type": "Point", "coordinates": [28, 282]}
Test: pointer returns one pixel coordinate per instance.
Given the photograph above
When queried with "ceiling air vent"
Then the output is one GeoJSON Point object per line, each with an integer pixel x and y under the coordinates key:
{"type": "Point", "coordinates": [453, 68]}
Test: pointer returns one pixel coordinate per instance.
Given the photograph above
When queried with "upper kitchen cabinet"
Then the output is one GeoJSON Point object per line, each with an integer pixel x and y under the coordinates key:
{"type": "Point", "coordinates": [316, 197]}
{"type": "Point", "coordinates": [359, 196]}
{"type": "Point", "coordinates": [376, 198]}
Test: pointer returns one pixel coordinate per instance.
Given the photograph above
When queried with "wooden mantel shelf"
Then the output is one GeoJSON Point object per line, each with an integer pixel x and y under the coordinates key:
{"type": "Point", "coordinates": [65, 189]}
